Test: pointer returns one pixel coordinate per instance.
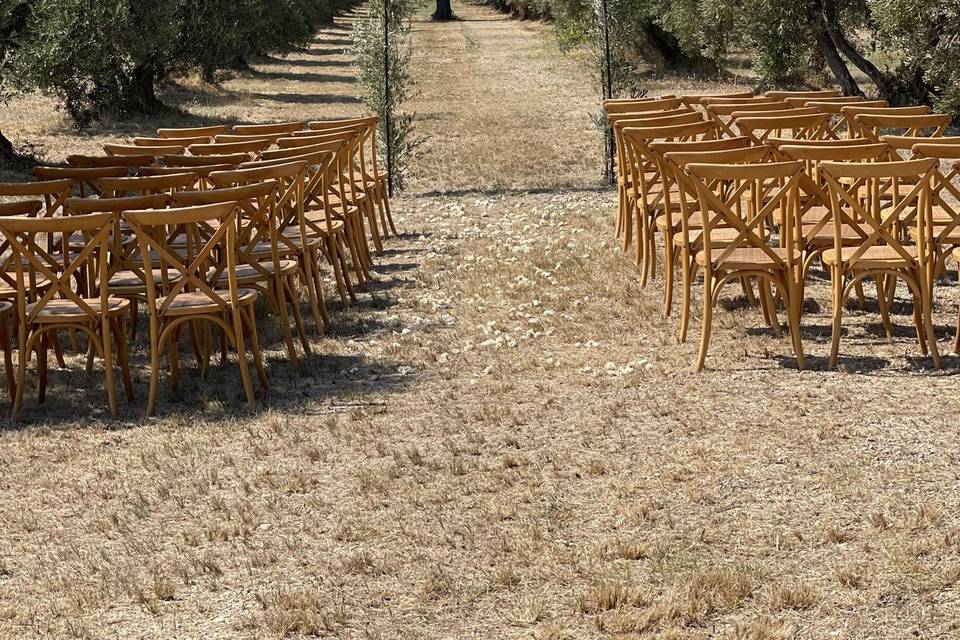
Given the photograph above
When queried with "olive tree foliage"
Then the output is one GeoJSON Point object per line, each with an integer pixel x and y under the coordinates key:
{"type": "Point", "coordinates": [381, 51]}
{"type": "Point", "coordinates": [108, 56]}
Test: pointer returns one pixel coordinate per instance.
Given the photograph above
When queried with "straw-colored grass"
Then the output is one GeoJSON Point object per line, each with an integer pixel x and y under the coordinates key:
{"type": "Point", "coordinates": [502, 439]}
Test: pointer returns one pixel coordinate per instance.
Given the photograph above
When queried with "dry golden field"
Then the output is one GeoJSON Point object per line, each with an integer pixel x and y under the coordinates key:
{"type": "Point", "coordinates": [502, 438]}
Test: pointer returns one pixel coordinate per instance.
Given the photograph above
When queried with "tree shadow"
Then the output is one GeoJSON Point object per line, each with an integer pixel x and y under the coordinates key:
{"type": "Point", "coordinates": [298, 76]}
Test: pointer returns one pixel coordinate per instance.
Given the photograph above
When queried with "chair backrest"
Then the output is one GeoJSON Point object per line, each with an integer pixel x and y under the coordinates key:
{"type": "Point", "coordinates": [851, 111]}
{"type": "Point", "coordinates": [202, 173]}
{"type": "Point", "coordinates": [257, 220]}
{"type": "Point", "coordinates": [205, 161]}
{"type": "Point", "coordinates": [641, 106]}
{"type": "Point", "coordinates": [192, 132]}
{"type": "Point", "coordinates": [208, 233]}
{"type": "Point", "coordinates": [707, 101]}
{"type": "Point", "coordinates": [722, 113]}
{"type": "Point", "coordinates": [148, 185]}
{"type": "Point", "coordinates": [771, 192]}
{"type": "Point", "coordinates": [100, 162]}
{"type": "Point", "coordinates": [872, 124]}
{"type": "Point", "coordinates": [29, 208]}
{"type": "Point", "coordinates": [269, 129]}
{"type": "Point", "coordinates": [808, 126]}
{"type": "Point", "coordinates": [691, 100]}
{"type": "Point", "coordinates": [51, 193]}
{"type": "Point", "coordinates": [290, 181]}
{"type": "Point", "coordinates": [857, 196]}
{"type": "Point", "coordinates": [29, 261]}
{"type": "Point", "coordinates": [906, 143]}
{"type": "Point", "coordinates": [805, 101]}
{"type": "Point", "coordinates": [944, 187]}
{"type": "Point", "coordinates": [254, 147]}
{"type": "Point", "coordinates": [85, 180]}
{"type": "Point", "coordinates": [230, 138]}
{"type": "Point", "coordinates": [135, 150]}
{"type": "Point", "coordinates": [818, 93]}
{"type": "Point", "coordinates": [142, 141]}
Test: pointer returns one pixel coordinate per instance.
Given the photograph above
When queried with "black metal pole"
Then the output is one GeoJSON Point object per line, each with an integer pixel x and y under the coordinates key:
{"type": "Point", "coordinates": [388, 106]}
{"type": "Point", "coordinates": [607, 90]}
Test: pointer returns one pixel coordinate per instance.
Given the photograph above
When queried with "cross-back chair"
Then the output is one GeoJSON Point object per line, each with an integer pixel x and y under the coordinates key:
{"type": "Point", "coordinates": [85, 180]}
{"type": "Point", "coordinates": [271, 129]}
{"type": "Point", "coordinates": [194, 295]}
{"type": "Point", "coordinates": [881, 254]}
{"type": "Point", "coordinates": [252, 147]}
{"type": "Point", "coordinates": [811, 94]}
{"type": "Point", "coordinates": [132, 163]}
{"type": "Point", "coordinates": [137, 150]}
{"type": "Point", "coordinates": [259, 261]}
{"type": "Point", "coordinates": [40, 314]}
{"type": "Point", "coordinates": [192, 132]}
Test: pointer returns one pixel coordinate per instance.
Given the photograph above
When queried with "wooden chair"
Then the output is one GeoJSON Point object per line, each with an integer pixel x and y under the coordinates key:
{"type": "Point", "coordinates": [259, 261]}
{"type": "Point", "coordinates": [668, 222]}
{"type": "Point", "coordinates": [816, 233]}
{"type": "Point", "coordinates": [625, 189]}
{"type": "Point", "coordinates": [804, 101]}
{"type": "Point", "coordinates": [352, 203]}
{"type": "Point", "coordinates": [641, 106]}
{"type": "Point", "coordinates": [313, 222]}
{"type": "Point", "coordinates": [722, 113]}
{"type": "Point", "coordinates": [944, 201]}
{"type": "Point", "coordinates": [871, 125]}
{"type": "Point", "coordinates": [125, 278]}
{"type": "Point", "coordinates": [39, 315]}
{"type": "Point", "coordinates": [292, 178]}
{"type": "Point", "coordinates": [192, 132]}
{"type": "Point", "coordinates": [191, 163]}
{"type": "Point", "coordinates": [851, 111]}
{"type": "Point", "coordinates": [803, 126]}
{"type": "Point", "coordinates": [202, 173]}
{"type": "Point", "coordinates": [834, 107]}
{"type": "Point", "coordinates": [52, 194]}
{"type": "Point", "coordinates": [647, 200]}
{"type": "Point", "coordinates": [881, 254]}
{"type": "Point", "coordinates": [194, 296]}
{"type": "Point", "coordinates": [148, 185]}
{"type": "Point", "coordinates": [748, 254]}
{"type": "Point", "coordinates": [687, 223]}
{"type": "Point", "coordinates": [697, 100]}
{"type": "Point", "coordinates": [368, 164]}
{"type": "Point", "coordinates": [231, 138]}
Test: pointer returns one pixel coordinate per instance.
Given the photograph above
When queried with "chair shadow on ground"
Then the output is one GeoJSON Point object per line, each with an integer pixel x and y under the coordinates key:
{"type": "Point", "coordinates": [327, 378]}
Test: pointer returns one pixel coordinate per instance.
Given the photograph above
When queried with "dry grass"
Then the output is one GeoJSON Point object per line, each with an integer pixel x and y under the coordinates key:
{"type": "Point", "coordinates": [501, 439]}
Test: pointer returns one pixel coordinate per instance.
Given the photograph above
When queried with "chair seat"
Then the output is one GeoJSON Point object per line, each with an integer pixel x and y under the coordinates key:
{"type": "Point", "coordinates": [812, 215]}
{"type": "Point", "coordinates": [824, 236]}
{"type": "Point", "coordinates": [745, 258]}
{"type": "Point", "coordinates": [8, 292]}
{"type": "Point", "coordinates": [695, 220]}
{"type": "Point", "coordinates": [320, 221]}
{"type": "Point", "coordinates": [69, 311]}
{"type": "Point", "coordinates": [720, 237]}
{"type": "Point", "coordinates": [880, 256]}
{"type": "Point", "coordinates": [248, 273]}
{"type": "Point", "coordinates": [129, 283]}
{"type": "Point", "coordinates": [197, 302]}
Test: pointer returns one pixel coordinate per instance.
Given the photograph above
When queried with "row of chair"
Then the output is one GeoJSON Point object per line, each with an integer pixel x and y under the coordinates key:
{"type": "Point", "coordinates": [195, 225]}
{"type": "Point", "coordinates": [749, 198]}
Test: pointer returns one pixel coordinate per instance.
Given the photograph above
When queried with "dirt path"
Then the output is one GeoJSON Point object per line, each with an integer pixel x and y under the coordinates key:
{"type": "Point", "coordinates": [499, 106]}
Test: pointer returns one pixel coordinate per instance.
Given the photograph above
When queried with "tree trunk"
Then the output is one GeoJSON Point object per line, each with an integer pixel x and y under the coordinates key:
{"type": "Point", "coordinates": [444, 10]}
{"type": "Point", "coordinates": [884, 86]}
{"type": "Point", "coordinates": [832, 57]}
{"type": "Point", "coordinates": [663, 50]}
{"type": "Point", "coordinates": [141, 93]}
{"type": "Point", "coordinates": [7, 154]}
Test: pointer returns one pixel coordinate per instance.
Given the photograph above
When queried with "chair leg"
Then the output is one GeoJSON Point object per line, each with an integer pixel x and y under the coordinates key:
{"type": "Point", "coordinates": [154, 367]}
{"type": "Point", "coordinates": [836, 281]}
{"type": "Point", "coordinates": [8, 357]}
{"type": "Point", "coordinates": [42, 347]}
{"type": "Point", "coordinates": [174, 349]}
{"type": "Point", "coordinates": [768, 304]}
{"type": "Point", "coordinates": [374, 230]}
{"type": "Point", "coordinates": [242, 356]}
{"type": "Point", "coordinates": [386, 206]}
{"type": "Point", "coordinates": [927, 302]}
{"type": "Point", "coordinates": [668, 274]}
{"type": "Point", "coordinates": [881, 281]}
{"type": "Point", "coordinates": [105, 339]}
{"type": "Point", "coordinates": [794, 308]}
{"type": "Point", "coordinates": [123, 355]}
{"type": "Point", "coordinates": [687, 275]}
{"type": "Point", "coordinates": [251, 324]}
{"type": "Point", "coordinates": [707, 323]}
{"type": "Point", "coordinates": [279, 297]}
{"type": "Point", "coordinates": [287, 284]}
